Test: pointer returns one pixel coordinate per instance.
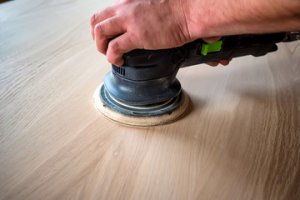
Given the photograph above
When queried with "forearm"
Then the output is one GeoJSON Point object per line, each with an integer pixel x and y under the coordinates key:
{"type": "Point", "coordinates": [230, 17]}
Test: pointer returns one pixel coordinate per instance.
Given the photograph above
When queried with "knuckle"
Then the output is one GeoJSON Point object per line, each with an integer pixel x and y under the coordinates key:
{"type": "Point", "coordinates": [138, 10]}
{"type": "Point", "coordinates": [99, 29]}
{"type": "Point", "coordinates": [107, 10]}
{"type": "Point", "coordinates": [114, 47]}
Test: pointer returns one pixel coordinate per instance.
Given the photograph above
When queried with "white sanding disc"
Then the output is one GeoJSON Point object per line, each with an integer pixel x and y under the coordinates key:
{"type": "Point", "coordinates": [141, 121]}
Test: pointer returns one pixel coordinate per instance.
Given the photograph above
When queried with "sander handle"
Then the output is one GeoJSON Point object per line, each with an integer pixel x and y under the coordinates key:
{"type": "Point", "coordinates": [143, 65]}
{"type": "Point", "coordinates": [230, 47]}
{"type": "Point", "coordinates": [234, 46]}
{"type": "Point", "coordinates": [198, 51]}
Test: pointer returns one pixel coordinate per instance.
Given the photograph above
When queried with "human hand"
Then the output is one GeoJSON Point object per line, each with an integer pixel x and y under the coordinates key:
{"type": "Point", "coordinates": [139, 24]}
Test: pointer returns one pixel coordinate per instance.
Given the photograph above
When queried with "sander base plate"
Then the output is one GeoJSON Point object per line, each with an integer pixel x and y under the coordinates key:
{"type": "Point", "coordinates": [141, 121]}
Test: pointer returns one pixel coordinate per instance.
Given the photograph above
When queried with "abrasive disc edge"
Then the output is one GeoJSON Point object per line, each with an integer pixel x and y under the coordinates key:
{"type": "Point", "coordinates": [122, 119]}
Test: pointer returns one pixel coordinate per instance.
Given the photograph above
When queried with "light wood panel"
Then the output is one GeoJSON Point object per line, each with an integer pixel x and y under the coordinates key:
{"type": "Point", "coordinates": [241, 140]}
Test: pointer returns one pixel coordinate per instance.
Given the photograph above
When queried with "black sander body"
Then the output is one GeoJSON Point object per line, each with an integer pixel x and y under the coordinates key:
{"type": "Point", "coordinates": [145, 87]}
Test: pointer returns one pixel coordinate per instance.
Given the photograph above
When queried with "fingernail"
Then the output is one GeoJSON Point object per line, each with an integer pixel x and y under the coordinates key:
{"type": "Point", "coordinates": [213, 64]}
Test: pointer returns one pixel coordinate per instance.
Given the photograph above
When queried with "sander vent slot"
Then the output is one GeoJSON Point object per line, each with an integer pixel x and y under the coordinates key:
{"type": "Point", "coordinates": [120, 70]}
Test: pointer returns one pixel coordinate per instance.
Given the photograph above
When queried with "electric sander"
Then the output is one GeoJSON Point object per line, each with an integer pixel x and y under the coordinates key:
{"type": "Point", "coordinates": [145, 91]}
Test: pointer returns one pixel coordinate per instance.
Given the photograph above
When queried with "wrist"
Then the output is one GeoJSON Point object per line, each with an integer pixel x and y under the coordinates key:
{"type": "Point", "coordinates": [229, 17]}
{"type": "Point", "coordinates": [179, 9]}
{"type": "Point", "coordinates": [205, 18]}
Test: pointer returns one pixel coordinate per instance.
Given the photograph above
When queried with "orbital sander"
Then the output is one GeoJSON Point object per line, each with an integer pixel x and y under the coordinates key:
{"type": "Point", "coordinates": [145, 90]}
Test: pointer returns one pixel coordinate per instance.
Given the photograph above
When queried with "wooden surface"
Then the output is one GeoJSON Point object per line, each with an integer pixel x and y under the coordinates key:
{"type": "Point", "coordinates": [241, 140]}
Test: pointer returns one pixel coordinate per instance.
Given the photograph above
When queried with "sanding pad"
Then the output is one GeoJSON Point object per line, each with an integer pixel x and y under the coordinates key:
{"type": "Point", "coordinates": [141, 121]}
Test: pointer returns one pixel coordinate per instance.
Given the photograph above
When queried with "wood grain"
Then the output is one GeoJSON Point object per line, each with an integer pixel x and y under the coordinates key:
{"type": "Point", "coordinates": [241, 140]}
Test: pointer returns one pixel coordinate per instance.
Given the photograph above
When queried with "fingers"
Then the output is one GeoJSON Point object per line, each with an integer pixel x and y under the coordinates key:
{"type": "Point", "coordinates": [225, 62]}
{"type": "Point", "coordinates": [105, 31]}
{"type": "Point", "coordinates": [100, 16]}
{"type": "Point", "coordinates": [109, 32]}
{"type": "Point", "coordinates": [119, 46]}
{"type": "Point", "coordinates": [213, 64]}
{"type": "Point", "coordinates": [222, 62]}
